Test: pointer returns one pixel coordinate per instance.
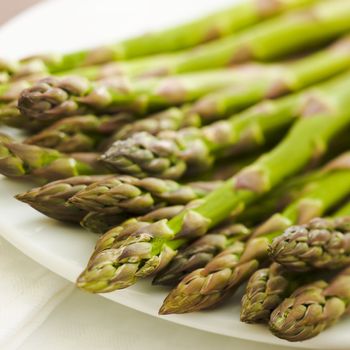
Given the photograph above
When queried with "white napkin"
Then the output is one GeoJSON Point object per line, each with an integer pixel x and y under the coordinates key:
{"type": "Point", "coordinates": [28, 294]}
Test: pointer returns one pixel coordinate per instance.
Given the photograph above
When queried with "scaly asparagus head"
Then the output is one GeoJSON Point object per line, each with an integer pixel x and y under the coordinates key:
{"type": "Point", "coordinates": [320, 244]}
{"type": "Point", "coordinates": [108, 247]}
{"type": "Point", "coordinates": [312, 308]}
{"type": "Point", "coordinates": [265, 290]}
{"type": "Point", "coordinates": [129, 194]}
{"type": "Point", "coordinates": [49, 98]}
{"type": "Point", "coordinates": [52, 199]}
{"type": "Point", "coordinates": [214, 281]}
{"type": "Point", "coordinates": [201, 252]}
{"type": "Point", "coordinates": [79, 134]}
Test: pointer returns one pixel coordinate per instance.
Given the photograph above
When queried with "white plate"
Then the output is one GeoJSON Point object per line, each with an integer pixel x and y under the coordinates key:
{"type": "Point", "coordinates": [65, 25]}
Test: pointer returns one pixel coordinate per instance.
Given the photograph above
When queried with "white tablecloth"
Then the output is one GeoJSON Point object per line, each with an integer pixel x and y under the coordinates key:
{"type": "Point", "coordinates": [40, 310]}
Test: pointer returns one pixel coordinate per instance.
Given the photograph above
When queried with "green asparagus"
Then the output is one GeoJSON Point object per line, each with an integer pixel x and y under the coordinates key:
{"type": "Point", "coordinates": [289, 33]}
{"type": "Point", "coordinates": [52, 199]}
{"type": "Point", "coordinates": [207, 28]}
{"type": "Point", "coordinates": [207, 287]}
{"type": "Point", "coordinates": [86, 133]}
{"type": "Point", "coordinates": [51, 96]}
{"type": "Point", "coordinates": [293, 76]}
{"type": "Point", "coordinates": [188, 151]}
{"type": "Point", "coordinates": [151, 248]}
{"type": "Point", "coordinates": [201, 252]}
{"type": "Point", "coordinates": [41, 164]}
{"type": "Point", "coordinates": [319, 244]}
{"type": "Point", "coordinates": [265, 290]}
{"type": "Point", "coordinates": [126, 193]}
{"type": "Point", "coordinates": [312, 308]}
{"type": "Point", "coordinates": [55, 97]}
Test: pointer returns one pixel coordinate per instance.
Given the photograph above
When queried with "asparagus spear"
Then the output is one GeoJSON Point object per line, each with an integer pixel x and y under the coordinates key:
{"type": "Point", "coordinates": [293, 77]}
{"type": "Point", "coordinates": [55, 97]}
{"type": "Point", "coordinates": [44, 164]}
{"type": "Point", "coordinates": [83, 198]}
{"type": "Point", "coordinates": [312, 308]}
{"type": "Point", "coordinates": [187, 35]}
{"type": "Point", "coordinates": [126, 193]}
{"type": "Point", "coordinates": [265, 290]}
{"type": "Point", "coordinates": [319, 244]}
{"type": "Point", "coordinates": [173, 154]}
{"type": "Point", "coordinates": [151, 248]}
{"type": "Point", "coordinates": [293, 32]}
{"type": "Point", "coordinates": [207, 287]}
{"type": "Point", "coordinates": [52, 199]}
{"type": "Point", "coordinates": [52, 96]}
{"type": "Point", "coordinates": [201, 252]}
{"type": "Point", "coordinates": [79, 134]}
{"type": "Point", "coordinates": [268, 287]}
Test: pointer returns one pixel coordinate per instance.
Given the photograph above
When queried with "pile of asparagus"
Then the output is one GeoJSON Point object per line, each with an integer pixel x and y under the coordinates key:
{"type": "Point", "coordinates": [206, 156]}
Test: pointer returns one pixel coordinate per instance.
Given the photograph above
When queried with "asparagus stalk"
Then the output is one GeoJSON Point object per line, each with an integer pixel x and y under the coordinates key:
{"type": "Point", "coordinates": [293, 32]}
{"type": "Point", "coordinates": [207, 287]}
{"type": "Point", "coordinates": [265, 290]}
{"type": "Point", "coordinates": [55, 97]}
{"type": "Point", "coordinates": [312, 308]}
{"type": "Point", "coordinates": [279, 198]}
{"type": "Point", "coordinates": [201, 252]}
{"type": "Point", "coordinates": [267, 287]}
{"type": "Point", "coordinates": [129, 194]}
{"type": "Point", "coordinates": [151, 248]}
{"type": "Point", "coordinates": [174, 154]}
{"type": "Point", "coordinates": [52, 199]}
{"type": "Point", "coordinates": [79, 134]}
{"type": "Point", "coordinates": [293, 77]}
{"type": "Point", "coordinates": [44, 164]}
{"type": "Point", "coordinates": [187, 35]}
{"type": "Point", "coordinates": [319, 244]}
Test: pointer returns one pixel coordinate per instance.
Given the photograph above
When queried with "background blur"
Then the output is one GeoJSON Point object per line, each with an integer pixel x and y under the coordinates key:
{"type": "Point", "coordinates": [9, 8]}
